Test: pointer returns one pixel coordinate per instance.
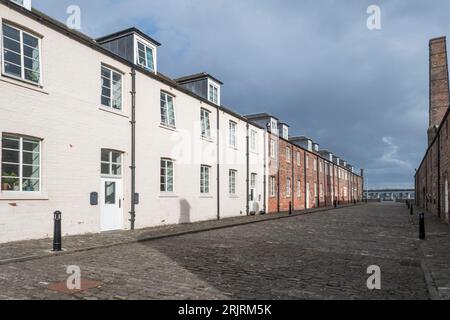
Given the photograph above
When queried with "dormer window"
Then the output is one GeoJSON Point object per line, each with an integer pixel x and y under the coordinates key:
{"type": "Point", "coordinates": [213, 94]}
{"type": "Point", "coordinates": [145, 56]}
{"type": "Point", "coordinates": [24, 3]}
{"type": "Point", "coordinates": [134, 46]}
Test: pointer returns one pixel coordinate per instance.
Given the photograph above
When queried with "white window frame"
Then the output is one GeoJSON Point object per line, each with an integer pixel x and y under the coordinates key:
{"type": "Point", "coordinates": [232, 134]}
{"type": "Point", "coordinates": [20, 163]}
{"type": "Point", "coordinates": [315, 164]}
{"type": "Point", "coordinates": [307, 161]}
{"type": "Point", "coordinates": [205, 123]}
{"type": "Point", "coordinates": [166, 176]}
{"type": "Point", "coordinates": [288, 187]}
{"type": "Point", "coordinates": [110, 163]}
{"type": "Point", "coordinates": [272, 148]}
{"type": "Point", "coordinates": [205, 179]}
{"type": "Point", "coordinates": [299, 159]}
{"type": "Point", "coordinates": [253, 180]}
{"type": "Point", "coordinates": [2, 47]}
{"type": "Point", "coordinates": [137, 40]}
{"type": "Point", "coordinates": [274, 126]}
{"type": "Point", "coordinates": [299, 188]}
{"type": "Point", "coordinates": [272, 183]}
{"type": "Point", "coordinates": [167, 113]}
{"type": "Point", "coordinates": [232, 178]}
{"type": "Point", "coordinates": [288, 155]}
{"type": "Point", "coordinates": [285, 132]}
{"type": "Point", "coordinates": [253, 141]}
{"type": "Point", "coordinates": [112, 72]}
{"type": "Point", "coordinates": [216, 90]}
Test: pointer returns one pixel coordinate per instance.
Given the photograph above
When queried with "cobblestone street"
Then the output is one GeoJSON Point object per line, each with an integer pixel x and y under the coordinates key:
{"type": "Point", "coordinates": [323, 255]}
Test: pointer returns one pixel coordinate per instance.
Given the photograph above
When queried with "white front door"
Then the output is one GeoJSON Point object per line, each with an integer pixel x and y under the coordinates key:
{"type": "Point", "coordinates": [307, 195]}
{"type": "Point", "coordinates": [111, 204]}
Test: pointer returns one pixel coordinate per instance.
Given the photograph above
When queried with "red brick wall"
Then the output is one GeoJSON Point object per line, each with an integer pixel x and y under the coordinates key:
{"type": "Point", "coordinates": [273, 172]}
{"type": "Point", "coordinates": [282, 168]}
{"type": "Point", "coordinates": [285, 172]}
{"type": "Point", "coordinates": [299, 173]}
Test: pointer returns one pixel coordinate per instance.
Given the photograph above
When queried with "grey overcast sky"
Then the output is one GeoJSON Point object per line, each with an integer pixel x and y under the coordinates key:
{"type": "Point", "coordinates": [313, 63]}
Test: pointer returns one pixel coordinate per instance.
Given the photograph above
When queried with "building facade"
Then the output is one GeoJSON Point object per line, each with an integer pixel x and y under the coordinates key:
{"type": "Point", "coordinates": [93, 129]}
{"type": "Point", "coordinates": [431, 179]}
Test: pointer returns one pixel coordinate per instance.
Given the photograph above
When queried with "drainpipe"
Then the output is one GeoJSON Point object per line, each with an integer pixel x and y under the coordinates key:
{"type": "Point", "coordinates": [293, 180]}
{"type": "Point", "coordinates": [338, 178]}
{"type": "Point", "coordinates": [218, 163]}
{"type": "Point", "coordinates": [306, 182]}
{"type": "Point", "coordinates": [133, 149]}
{"type": "Point", "coordinates": [265, 172]}
{"type": "Point", "coordinates": [318, 181]}
{"type": "Point", "coordinates": [278, 175]}
{"type": "Point", "coordinates": [439, 173]}
{"type": "Point", "coordinates": [248, 170]}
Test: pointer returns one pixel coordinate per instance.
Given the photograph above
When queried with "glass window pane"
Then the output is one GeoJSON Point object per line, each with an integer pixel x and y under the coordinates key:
{"type": "Point", "coordinates": [117, 77]}
{"type": "Point", "coordinates": [30, 171]}
{"type": "Point", "coordinates": [11, 32]}
{"type": "Point", "coordinates": [13, 70]}
{"type": "Point", "coordinates": [106, 73]}
{"type": "Point", "coordinates": [116, 157]}
{"type": "Point", "coordinates": [110, 193]}
{"type": "Point", "coordinates": [11, 45]}
{"type": "Point", "coordinates": [12, 57]}
{"type": "Point", "coordinates": [30, 185]}
{"type": "Point", "coordinates": [30, 145]}
{"type": "Point", "coordinates": [10, 156]}
{"type": "Point", "coordinates": [32, 75]}
{"type": "Point", "coordinates": [30, 41]}
{"type": "Point", "coordinates": [10, 170]}
{"type": "Point", "coordinates": [30, 158]}
{"type": "Point", "coordinates": [106, 101]}
{"type": "Point", "coordinates": [105, 168]}
{"type": "Point", "coordinates": [31, 53]}
{"type": "Point", "coordinates": [149, 57]}
{"type": "Point", "coordinates": [10, 142]}
{"type": "Point", "coordinates": [105, 155]}
{"type": "Point", "coordinates": [116, 169]}
{"type": "Point", "coordinates": [10, 184]}
{"type": "Point", "coordinates": [31, 64]}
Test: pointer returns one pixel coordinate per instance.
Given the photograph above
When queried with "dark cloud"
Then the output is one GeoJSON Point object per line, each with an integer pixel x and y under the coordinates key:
{"type": "Point", "coordinates": [361, 94]}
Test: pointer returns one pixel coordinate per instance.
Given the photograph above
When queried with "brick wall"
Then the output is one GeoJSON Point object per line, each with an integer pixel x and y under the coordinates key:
{"type": "Point", "coordinates": [431, 180]}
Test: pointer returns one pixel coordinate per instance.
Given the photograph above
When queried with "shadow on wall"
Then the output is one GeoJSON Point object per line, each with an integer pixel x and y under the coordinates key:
{"type": "Point", "coordinates": [185, 212]}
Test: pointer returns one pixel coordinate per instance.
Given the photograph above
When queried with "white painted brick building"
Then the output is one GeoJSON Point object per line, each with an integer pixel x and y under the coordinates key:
{"type": "Point", "coordinates": [65, 113]}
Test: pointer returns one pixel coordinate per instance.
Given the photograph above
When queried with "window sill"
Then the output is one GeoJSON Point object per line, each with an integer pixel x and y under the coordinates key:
{"type": "Point", "coordinates": [113, 111]}
{"type": "Point", "coordinates": [233, 196]}
{"type": "Point", "coordinates": [22, 83]}
{"type": "Point", "coordinates": [233, 147]}
{"type": "Point", "coordinates": [163, 126]}
{"type": "Point", "coordinates": [207, 139]}
{"type": "Point", "coordinates": [168, 195]}
{"type": "Point", "coordinates": [11, 196]}
{"type": "Point", "coordinates": [206, 196]}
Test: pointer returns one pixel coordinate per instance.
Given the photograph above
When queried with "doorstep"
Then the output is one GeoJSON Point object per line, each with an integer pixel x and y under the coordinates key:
{"type": "Point", "coordinates": [37, 249]}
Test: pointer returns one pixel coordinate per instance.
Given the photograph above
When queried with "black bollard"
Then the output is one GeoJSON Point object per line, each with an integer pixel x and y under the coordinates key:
{"type": "Point", "coordinates": [57, 239]}
{"type": "Point", "coordinates": [411, 210]}
{"type": "Point", "coordinates": [290, 208]}
{"type": "Point", "coordinates": [335, 203]}
{"type": "Point", "coordinates": [422, 226]}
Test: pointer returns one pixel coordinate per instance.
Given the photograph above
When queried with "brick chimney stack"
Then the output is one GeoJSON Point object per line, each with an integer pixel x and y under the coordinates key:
{"type": "Point", "coordinates": [439, 85]}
